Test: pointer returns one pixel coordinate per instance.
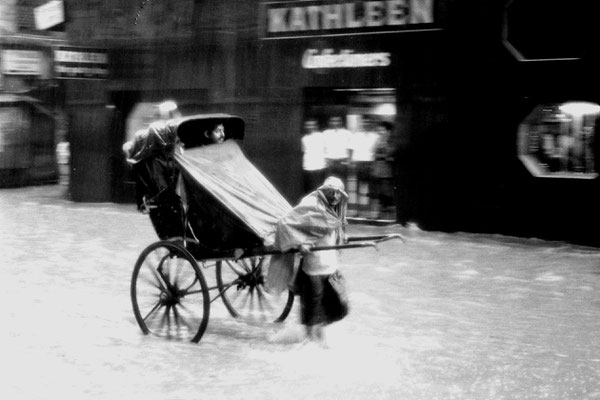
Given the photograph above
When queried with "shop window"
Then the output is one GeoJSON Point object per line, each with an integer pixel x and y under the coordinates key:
{"type": "Point", "coordinates": [367, 117]}
{"type": "Point", "coordinates": [557, 140]}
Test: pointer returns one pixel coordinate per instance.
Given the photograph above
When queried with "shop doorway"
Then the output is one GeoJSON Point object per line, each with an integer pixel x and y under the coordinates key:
{"type": "Point", "coordinates": [359, 149]}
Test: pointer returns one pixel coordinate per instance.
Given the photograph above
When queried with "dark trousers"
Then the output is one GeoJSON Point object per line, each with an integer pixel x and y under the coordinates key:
{"type": "Point", "coordinates": [319, 302]}
{"type": "Point", "coordinates": [312, 290]}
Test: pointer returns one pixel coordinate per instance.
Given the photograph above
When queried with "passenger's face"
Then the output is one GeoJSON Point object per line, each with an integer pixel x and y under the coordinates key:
{"type": "Point", "coordinates": [333, 196]}
{"type": "Point", "coordinates": [217, 135]}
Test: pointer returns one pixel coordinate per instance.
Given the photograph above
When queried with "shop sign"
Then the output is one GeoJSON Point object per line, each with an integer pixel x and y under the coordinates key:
{"type": "Point", "coordinates": [327, 58]}
{"type": "Point", "coordinates": [49, 14]}
{"type": "Point", "coordinates": [286, 19]}
{"type": "Point", "coordinates": [21, 62]}
{"type": "Point", "coordinates": [80, 63]}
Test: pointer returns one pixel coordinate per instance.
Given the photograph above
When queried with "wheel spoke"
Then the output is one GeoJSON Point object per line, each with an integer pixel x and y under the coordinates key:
{"type": "Point", "coordinates": [166, 318]}
{"type": "Point", "coordinates": [179, 317]}
{"type": "Point", "coordinates": [248, 299]}
{"type": "Point", "coordinates": [187, 289]}
{"type": "Point", "coordinates": [258, 308]}
{"type": "Point", "coordinates": [235, 269]}
{"type": "Point", "coordinates": [155, 318]}
{"type": "Point", "coordinates": [246, 264]}
{"type": "Point", "coordinates": [156, 283]}
{"type": "Point", "coordinates": [260, 265]}
{"type": "Point", "coordinates": [164, 271]}
{"type": "Point", "coordinates": [184, 320]}
{"type": "Point", "coordinates": [157, 279]}
{"type": "Point", "coordinates": [264, 299]}
{"type": "Point", "coordinates": [156, 306]}
{"type": "Point", "coordinates": [186, 308]}
{"type": "Point", "coordinates": [178, 271]}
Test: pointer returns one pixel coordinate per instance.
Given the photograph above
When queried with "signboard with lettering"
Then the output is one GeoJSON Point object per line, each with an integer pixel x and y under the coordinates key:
{"type": "Point", "coordinates": [21, 62]}
{"type": "Point", "coordinates": [328, 58]}
{"type": "Point", "coordinates": [80, 63]}
{"type": "Point", "coordinates": [289, 19]}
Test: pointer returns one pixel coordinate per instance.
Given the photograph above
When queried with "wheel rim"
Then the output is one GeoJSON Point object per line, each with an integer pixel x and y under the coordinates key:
{"type": "Point", "coordinates": [169, 293]}
{"type": "Point", "coordinates": [242, 287]}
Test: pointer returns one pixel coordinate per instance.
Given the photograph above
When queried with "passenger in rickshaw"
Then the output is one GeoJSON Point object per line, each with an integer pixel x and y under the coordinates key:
{"type": "Point", "coordinates": [216, 134]}
{"type": "Point", "coordinates": [318, 220]}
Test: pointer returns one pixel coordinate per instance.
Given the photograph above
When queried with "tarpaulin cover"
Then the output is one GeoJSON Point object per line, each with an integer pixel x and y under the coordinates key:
{"type": "Point", "coordinates": [158, 138]}
{"type": "Point", "coordinates": [222, 172]}
{"type": "Point", "coordinates": [152, 142]}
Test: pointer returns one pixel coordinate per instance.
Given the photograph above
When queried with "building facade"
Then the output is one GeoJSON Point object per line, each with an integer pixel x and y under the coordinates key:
{"type": "Point", "coordinates": [30, 116]}
{"type": "Point", "coordinates": [471, 91]}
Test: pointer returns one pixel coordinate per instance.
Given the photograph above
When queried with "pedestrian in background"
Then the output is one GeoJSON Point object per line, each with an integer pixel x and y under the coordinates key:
{"type": "Point", "coordinates": [313, 156]}
{"type": "Point", "coordinates": [383, 188]}
{"type": "Point", "coordinates": [337, 148]}
{"type": "Point", "coordinates": [363, 153]}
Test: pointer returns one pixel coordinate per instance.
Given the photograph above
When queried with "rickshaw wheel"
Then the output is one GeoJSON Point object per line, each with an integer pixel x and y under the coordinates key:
{"type": "Point", "coordinates": [242, 287]}
{"type": "Point", "coordinates": [169, 293]}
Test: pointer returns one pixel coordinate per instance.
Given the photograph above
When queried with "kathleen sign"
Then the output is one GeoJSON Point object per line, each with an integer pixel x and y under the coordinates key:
{"type": "Point", "coordinates": [80, 63]}
{"type": "Point", "coordinates": [327, 58]}
{"type": "Point", "coordinates": [322, 18]}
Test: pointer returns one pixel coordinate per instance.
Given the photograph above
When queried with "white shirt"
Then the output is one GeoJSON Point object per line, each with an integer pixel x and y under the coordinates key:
{"type": "Point", "coordinates": [322, 262]}
{"type": "Point", "coordinates": [363, 146]}
{"type": "Point", "coordinates": [337, 143]}
{"type": "Point", "coordinates": [313, 148]}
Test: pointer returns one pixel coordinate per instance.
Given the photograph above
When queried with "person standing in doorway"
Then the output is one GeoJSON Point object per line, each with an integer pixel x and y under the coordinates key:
{"type": "Point", "coordinates": [313, 156]}
{"type": "Point", "coordinates": [383, 188]}
{"type": "Point", "coordinates": [337, 148]}
{"type": "Point", "coordinates": [363, 152]}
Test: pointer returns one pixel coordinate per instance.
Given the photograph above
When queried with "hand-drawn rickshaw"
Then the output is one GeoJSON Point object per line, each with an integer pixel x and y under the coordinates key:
{"type": "Point", "coordinates": [211, 209]}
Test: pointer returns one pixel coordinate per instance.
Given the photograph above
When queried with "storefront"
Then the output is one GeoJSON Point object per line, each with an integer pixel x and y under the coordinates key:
{"type": "Point", "coordinates": [27, 115]}
{"type": "Point", "coordinates": [374, 64]}
{"type": "Point", "coordinates": [470, 87]}
{"type": "Point", "coordinates": [551, 100]}
{"type": "Point", "coordinates": [368, 62]}
{"type": "Point", "coordinates": [466, 107]}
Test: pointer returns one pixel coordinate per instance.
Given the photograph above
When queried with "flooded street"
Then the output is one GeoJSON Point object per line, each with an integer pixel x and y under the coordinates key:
{"type": "Point", "coordinates": [442, 316]}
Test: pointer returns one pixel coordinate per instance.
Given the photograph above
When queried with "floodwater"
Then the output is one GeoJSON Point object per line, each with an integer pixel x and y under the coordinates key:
{"type": "Point", "coordinates": [442, 316]}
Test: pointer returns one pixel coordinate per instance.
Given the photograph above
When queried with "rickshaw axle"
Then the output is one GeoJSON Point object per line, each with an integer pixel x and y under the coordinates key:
{"type": "Point", "coordinates": [251, 279]}
{"type": "Point", "coordinates": [169, 299]}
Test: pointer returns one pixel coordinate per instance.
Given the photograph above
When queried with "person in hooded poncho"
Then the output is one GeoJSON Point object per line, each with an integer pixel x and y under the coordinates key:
{"type": "Point", "coordinates": [318, 220]}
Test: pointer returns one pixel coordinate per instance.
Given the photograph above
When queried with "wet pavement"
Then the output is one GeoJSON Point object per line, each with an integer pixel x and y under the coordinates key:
{"type": "Point", "coordinates": [442, 316]}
